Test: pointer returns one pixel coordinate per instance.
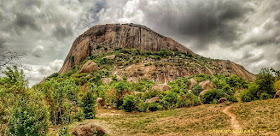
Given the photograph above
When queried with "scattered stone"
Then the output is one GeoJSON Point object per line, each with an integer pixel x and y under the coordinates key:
{"type": "Point", "coordinates": [110, 57]}
{"type": "Point", "coordinates": [88, 67]}
{"type": "Point", "coordinates": [113, 111]}
{"type": "Point", "coordinates": [106, 80]}
{"type": "Point", "coordinates": [154, 99]}
{"type": "Point", "coordinates": [88, 129]}
{"type": "Point", "coordinates": [161, 87]}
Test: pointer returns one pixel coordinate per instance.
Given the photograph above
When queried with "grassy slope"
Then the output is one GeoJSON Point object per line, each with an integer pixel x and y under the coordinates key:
{"type": "Point", "coordinates": [262, 116]}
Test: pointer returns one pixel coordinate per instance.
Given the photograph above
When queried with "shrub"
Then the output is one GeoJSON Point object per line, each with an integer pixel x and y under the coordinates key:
{"type": "Point", "coordinates": [28, 118]}
{"type": "Point", "coordinates": [197, 89]}
{"type": "Point", "coordinates": [170, 100]}
{"type": "Point", "coordinates": [154, 106]}
{"type": "Point", "coordinates": [142, 107]}
{"type": "Point", "coordinates": [88, 105]}
{"type": "Point", "coordinates": [128, 103]}
{"type": "Point", "coordinates": [265, 96]}
{"type": "Point", "coordinates": [231, 98]}
{"type": "Point", "coordinates": [246, 96]}
{"type": "Point", "coordinates": [212, 95]}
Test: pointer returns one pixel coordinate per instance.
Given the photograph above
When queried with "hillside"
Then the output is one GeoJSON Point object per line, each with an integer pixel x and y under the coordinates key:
{"type": "Point", "coordinates": [105, 39]}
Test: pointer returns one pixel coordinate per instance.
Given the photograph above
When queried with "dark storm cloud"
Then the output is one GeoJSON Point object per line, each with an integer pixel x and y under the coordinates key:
{"type": "Point", "coordinates": [205, 20]}
{"type": "Point", "coordinates": [23, 20]}
{"type": "Point", "coordinates": [249, 57]}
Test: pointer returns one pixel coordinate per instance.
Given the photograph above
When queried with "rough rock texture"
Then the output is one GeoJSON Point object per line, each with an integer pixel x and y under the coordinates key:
{"type": "Point", "coordinates": [88, 67]}
{"type": "Point", "coordinates": [277, 94]}
{"type": "Point", "coordinates": [161, 87]}
{"type": "Point", "coordinates": [88, 129]}
{"type": "Point", "coordinates": [100, 102]}
{"type": "Point", "coordinates": [154, 99]}
{"type": "Point", "coordinates": [205, 85]}
{"type": "Point", "coordinates": [105, 38]}
{"type": "Point", "coordinates": [191, 83]}
{"type": "Point", "coordinates": [111, 57]}
{"type": "Point", "coordinates": [106, 80]}
{"type": "Point", "coordinates": [222, 100]}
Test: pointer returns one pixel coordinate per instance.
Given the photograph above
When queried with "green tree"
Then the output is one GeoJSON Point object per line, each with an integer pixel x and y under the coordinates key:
{"type": "Point", "coordinates": [88, 105]}
{"type": "Point", "coordinates": [265, 80]}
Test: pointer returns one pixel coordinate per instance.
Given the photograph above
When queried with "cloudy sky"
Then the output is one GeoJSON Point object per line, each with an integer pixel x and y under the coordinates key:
{"type": "Point", "coordinates": [244, 31]}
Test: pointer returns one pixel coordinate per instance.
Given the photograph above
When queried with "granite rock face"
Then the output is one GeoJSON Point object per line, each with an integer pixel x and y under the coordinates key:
{"type": "Point", "coordinates": [106, 38]}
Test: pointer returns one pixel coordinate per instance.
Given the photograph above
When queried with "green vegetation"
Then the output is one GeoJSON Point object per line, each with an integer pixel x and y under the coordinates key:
{"type": "Point", "coordinates": [70, 97]}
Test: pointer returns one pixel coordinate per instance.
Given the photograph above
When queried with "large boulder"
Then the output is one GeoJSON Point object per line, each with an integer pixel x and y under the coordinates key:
{"type": "Point", "coordinates": [277, 94]}
{"type": "Point", "coordinates": [110, 57]}
{"type": "Point", "coordinates": [88, 67]}
{"type": "Point", "coordinates": [154, 99]}
{"type": "Point", "coordinates": [161, 87]}
{"type": "Point", "coordinates": [88, 129]}
{"type": "Point", "coordinates": [191, 83]}
{"type": "Point", "coordinates": [206, 85]}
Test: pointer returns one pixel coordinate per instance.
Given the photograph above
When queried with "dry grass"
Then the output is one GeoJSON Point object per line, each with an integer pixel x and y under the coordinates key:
{"type": "Point", "coordinates": [185, 121]}
{"type": "Point", "coordinates": [262, 116]}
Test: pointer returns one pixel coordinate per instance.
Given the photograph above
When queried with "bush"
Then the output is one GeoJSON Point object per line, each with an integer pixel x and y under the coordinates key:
{"type": "Point", "coordinates": [246, 96]}
{"type": "Point", "coordinates": [170, 100]}
{"type": "Point", "coordinates": [154, 106]}
{"type": "Point", "coordinates": [265, 96]}
{"type": "Point", "coordinates": [212, 95]}
{"type": "Point", "coordinates": [29, 118]}
{"type": "Point", "coordinates": [128, 103]}
{"type": "Point", "coordinates": [231, 98]}
{"type": "Point", "coordinates": [197, 89]}
{"type": "Point", "coordinates": [142, 107]}
{"type": "Point", "coordinates": [88, 105]}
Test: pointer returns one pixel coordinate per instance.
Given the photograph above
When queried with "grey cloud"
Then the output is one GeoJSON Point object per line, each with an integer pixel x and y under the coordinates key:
{"type": "Point", "coordinates": [61, 32]}
{"type": "Point", "coordinates": [205, 20]}
{"type": "Point", "coordinates": [24, 20]}
{"type": "Point", "coordinates": [249, 57]}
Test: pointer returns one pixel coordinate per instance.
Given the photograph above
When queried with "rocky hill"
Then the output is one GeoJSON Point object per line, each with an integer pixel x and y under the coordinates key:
{"type": "Point", "coordinates": [178, 62]}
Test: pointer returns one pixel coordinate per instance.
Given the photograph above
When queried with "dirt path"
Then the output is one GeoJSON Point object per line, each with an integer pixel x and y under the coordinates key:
{"type": "Point", "coordinates": [234, 122]}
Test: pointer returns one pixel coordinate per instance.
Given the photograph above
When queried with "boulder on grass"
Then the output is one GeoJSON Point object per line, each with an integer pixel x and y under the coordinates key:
{"type": "Point", "coordinates": [191, 83]}
{"type": "Point", "coordinates": [100, 102]}
{"type": "Point", "coordinates": [88, 67]}
{"type": "Point", "coordinates": [88, 129]}
{"type": "Point", "coordinates": [110, 57]}
{"type": "Point", "coordinates": [222, 100]}
{"type": "Point", "coordinates": [161, 87]}
{"type": "Point", "coordinates": [206, 85]}
{"type": "Point", "coordinates": [154, 99]}
{"type": "Point", "coordinates": [106, 80]}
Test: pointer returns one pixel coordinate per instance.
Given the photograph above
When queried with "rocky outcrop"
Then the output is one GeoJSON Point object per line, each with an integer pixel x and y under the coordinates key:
{"type": "Point", "coordinates": [154, 99]}
{"type": "Point", "coordinates": [105, 38]}
{"type": "Point", "coordinates": [88, 67]}
{"type": "Point", "coordinates": [88, 129]}
{"type": "Point", "coordinates": [106, 80]}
